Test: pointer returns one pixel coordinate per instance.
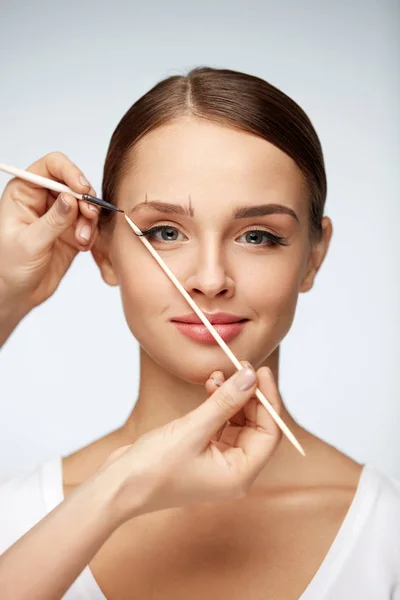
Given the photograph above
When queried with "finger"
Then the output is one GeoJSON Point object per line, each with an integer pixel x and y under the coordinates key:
{"type": "Point", "coordinates": [70, 236]}
{"type": "Point", "coordinates": [85, 232]}
{"type": "Point", "coordinates": [238, 420]}
{"type": "Point", "coordinates": [215, 381]}
{"type": "Point", "coordinates": [86, 229]}
{"type": "Point", "coordinates": [205, 420]}
{"type": "Point", "coordinates": [212, 384]}
{"type": "Point", "coordinates": [58, 219]}
{"type": "Point", "coordinates": [59, 167]}
{"type": "Point", "coordinates": [262, 434]}
{"type": "Point", "coordinates": [83, 235]}
{"type": "Point", "coordinates": [256, 414]}
{"type": "Point", "coordinates": [73, 235]}
{"type": "Point", "coordinates": [89, 210]}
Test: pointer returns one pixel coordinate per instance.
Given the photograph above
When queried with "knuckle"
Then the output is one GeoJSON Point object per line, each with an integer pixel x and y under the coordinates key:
{"type": "Point", "coordinates": [56, 155]}
{"type": "Point", "coordinates": [54, 217]}
{"type": "Point", "coordinates": [11, 188]}
{"type": "Point", "coordinates": [20, 191]}
{"type": "Point", "coordinates": [268, 373]}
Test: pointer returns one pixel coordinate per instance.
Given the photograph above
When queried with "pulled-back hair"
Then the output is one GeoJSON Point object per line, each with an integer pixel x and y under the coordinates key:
{"type": "Point", "coordinates": [241, 101]}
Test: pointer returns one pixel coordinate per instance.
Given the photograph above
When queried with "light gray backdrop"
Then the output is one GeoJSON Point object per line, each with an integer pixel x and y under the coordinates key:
{"type": "Point", "coordinates": [68, 73]}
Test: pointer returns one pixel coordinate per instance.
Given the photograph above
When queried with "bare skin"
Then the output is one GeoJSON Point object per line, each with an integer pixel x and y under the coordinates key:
{"type": "Point", "coordinates": [282, 531]}
{"type": "Point", "coordinates": [272, 541]}
{"type": "Point", "coordinates": [267, 545]}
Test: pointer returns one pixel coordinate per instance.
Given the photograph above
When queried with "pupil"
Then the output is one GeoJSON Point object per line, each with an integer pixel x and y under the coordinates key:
{"type": "Point", "coordinates": [254, 234]}
{"type": "Point", "coordinates": [169, 231]}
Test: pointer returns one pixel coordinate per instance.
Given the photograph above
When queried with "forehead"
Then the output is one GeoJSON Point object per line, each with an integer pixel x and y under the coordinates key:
{"type": "Point", "coordinates": [208, 160]}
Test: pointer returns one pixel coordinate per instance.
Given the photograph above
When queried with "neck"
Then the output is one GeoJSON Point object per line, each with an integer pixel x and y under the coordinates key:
{"type": "Point", "coordinates": [164, 397]}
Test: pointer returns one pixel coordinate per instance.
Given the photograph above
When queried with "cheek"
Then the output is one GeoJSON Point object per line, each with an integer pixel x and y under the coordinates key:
{"type": "Point", "coordinates": [271, 284]}
{"type": "Point", "coordinates": [270, 289]}
{"type": "Point", "coordinates": [143, 284]}
{"type": "Point", "coordinates": [143, 287]}
{"type": "Point", "coordinates": [149, 301]}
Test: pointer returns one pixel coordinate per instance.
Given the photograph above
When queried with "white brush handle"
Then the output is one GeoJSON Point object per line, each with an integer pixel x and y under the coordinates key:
{"type": "Point", "coordinates": [216, 336]}
{"type": "Point", "coordinates": [39, 180]}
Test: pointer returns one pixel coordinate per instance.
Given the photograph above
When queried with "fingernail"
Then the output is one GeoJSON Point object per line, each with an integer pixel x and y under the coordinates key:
{"type": "Point", "coordinates": [85, 233]}
{"type": "Point", "coordinates": [217, 381]}
{"type": "Point", "coordinates": [65, 206]}
{"type": "Point", "coordinates": [84, 181]}
{"type": "Point", "coordinates": [93, 207]}
{"type": "Point", "coordinates": [245, 379]}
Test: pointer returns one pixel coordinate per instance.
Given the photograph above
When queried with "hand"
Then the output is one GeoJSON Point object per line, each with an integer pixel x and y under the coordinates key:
{"type": "Point", "coordinates": [40, 233]}
{"type": "Point", "coordinates": [199, 457]}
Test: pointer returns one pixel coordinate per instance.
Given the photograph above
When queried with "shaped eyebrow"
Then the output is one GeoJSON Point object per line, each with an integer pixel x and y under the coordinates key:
{"type": "Point", "coordinates": [241, 212]}
{"type": "Point", "coordinates": [259, 210]}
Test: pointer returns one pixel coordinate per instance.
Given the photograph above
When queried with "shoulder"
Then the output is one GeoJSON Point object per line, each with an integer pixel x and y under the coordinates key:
{"type": "Point", "coordinates": [25, 498]}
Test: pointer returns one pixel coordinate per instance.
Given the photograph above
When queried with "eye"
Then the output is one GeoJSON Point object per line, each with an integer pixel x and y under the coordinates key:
{"type": "Point", "coordinates": [167, 229]}
{"type": "Point", "coordinates": [253, 236]}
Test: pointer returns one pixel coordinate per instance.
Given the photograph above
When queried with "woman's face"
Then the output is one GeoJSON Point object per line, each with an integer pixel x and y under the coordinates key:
{"type": "Point", "coordinates": [225, 266]}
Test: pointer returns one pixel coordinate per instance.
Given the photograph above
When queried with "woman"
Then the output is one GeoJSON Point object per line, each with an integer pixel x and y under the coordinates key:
{"type": "Point", "coordinates": [225, 176]}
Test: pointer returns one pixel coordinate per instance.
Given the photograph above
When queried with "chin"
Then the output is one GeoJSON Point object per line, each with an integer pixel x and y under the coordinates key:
{"type": "Point", "coordinates": [194, 362]}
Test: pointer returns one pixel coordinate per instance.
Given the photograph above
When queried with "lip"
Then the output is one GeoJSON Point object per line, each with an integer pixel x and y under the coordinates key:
{"type": "Point", "coordinates": [228, 326]}
{"type": "Point", "coordinates": [218, 317]}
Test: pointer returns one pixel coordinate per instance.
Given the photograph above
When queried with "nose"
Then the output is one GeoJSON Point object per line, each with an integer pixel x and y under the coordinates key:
{"type": "Point", "coordinates": [208, 274]}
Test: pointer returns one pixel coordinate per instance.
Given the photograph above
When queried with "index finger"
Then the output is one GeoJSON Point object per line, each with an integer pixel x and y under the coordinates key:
{"type": "Point", "coordinates": [59, 167]}
{"type": "Point", "coordinates": [205, 420]}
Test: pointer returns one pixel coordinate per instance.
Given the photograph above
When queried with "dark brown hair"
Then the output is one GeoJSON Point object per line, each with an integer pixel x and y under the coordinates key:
{"type": "Point", "coordinates": [231, 98]}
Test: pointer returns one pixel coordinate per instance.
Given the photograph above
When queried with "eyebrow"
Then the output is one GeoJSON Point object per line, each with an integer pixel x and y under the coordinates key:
{"type": "Point", "coordinates": [241, 212]}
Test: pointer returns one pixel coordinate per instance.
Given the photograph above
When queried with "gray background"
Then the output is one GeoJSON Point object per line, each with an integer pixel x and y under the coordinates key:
{"type": "Point", "coordinates": [69, 71]}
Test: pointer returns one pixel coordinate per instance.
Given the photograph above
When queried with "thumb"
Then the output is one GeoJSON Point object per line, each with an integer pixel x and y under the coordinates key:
{"type": "Point", "coordinates": [222, 405]}
{"type": "Point", "coordinates": [54, 222]}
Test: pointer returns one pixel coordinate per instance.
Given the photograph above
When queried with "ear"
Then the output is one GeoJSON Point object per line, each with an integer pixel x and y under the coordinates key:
{"type": "Point", "coordinates": [101, 254]}
{"type": "Point", "coordinates": [317, 254]}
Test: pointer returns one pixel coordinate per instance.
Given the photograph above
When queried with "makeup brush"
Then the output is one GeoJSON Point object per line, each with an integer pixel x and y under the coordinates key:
{"type": "Point", "coordinates": [285, 429]}
{"type": "Point", "coordinates": [50, 184]}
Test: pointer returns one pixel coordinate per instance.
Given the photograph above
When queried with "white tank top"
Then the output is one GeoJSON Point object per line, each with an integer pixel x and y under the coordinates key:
{"type": "Point", "coordinates": [363, 561]}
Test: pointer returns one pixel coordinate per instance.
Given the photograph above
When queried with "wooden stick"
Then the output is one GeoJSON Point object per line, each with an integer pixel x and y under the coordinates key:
{"type": "Point", "coordinates": [216, 336]}
{"type": "Point", "coordinates": [49, 184]}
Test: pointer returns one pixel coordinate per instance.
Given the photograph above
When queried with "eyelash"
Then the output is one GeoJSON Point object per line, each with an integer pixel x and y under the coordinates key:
{"type": "Point", "coordinates": [273, 240]}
